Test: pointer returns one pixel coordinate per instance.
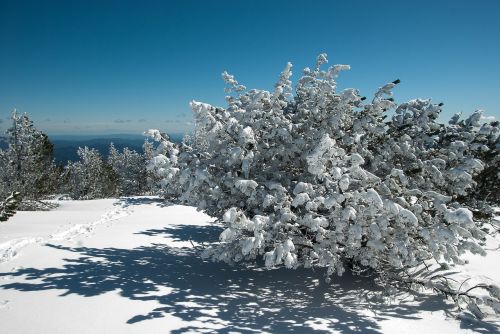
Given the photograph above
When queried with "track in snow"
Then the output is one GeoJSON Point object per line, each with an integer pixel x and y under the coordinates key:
{"type": "Point", "coordinates": [12, 248]}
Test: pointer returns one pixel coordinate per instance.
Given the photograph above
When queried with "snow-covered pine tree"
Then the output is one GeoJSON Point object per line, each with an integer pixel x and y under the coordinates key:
{"type": "Point", "coordinates": [27, 165]}
{"type": "Point", "coordinates": [9, 206]}
{"type": "Point", "coordinates": [90, 177]}
{"type": "Point", "coordinates": [159, 165]}
{"type": "Point", "coordinates": [130, 167]}
{"type": "Point", "coordinates": [321, 178]}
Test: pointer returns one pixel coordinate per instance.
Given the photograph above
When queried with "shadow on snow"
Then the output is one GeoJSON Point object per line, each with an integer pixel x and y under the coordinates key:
{"type": "Point", "coordinates": [207, 294]}
{"type": "Point", "coordinates": [143, 200]}
{"type": "Point", "coordinates": [200, 234]}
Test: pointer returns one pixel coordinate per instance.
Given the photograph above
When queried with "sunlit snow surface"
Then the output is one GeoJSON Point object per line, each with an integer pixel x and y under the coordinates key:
{"type": "Point", "coordinates": [129, 266]}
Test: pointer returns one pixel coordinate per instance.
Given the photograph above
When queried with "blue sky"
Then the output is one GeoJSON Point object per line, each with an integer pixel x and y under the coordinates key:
{"type": "Point", "coordinates": [126, 66]}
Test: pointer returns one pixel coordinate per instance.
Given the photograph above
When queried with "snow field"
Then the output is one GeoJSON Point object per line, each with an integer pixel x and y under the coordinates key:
{"type": "Point", "coordinates": [129, 266]}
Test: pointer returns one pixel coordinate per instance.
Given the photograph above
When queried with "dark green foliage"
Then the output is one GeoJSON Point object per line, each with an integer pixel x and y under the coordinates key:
{"type": "Point", "coordinates": [130, 168]}
{"type": "Point", "coordinates": [27, 164]}
{"type": "Point", "coordinates": [9, 206]}
{"type": "Point", "coordinates": [91, 177]}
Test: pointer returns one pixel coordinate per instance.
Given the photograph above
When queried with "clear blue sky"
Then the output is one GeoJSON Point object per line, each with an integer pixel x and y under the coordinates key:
{"type": "Point", "coordinates": [126, 66]}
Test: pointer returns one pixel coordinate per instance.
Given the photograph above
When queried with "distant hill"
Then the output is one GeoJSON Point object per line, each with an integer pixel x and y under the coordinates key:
{"type": "Point", "coordinates": [65, 146]}
{"type": "Point", "coordinates": [65, 149]}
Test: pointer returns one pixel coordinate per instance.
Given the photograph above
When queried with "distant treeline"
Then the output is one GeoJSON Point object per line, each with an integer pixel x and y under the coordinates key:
{"type": "Point", "coordinates": [34, 166]}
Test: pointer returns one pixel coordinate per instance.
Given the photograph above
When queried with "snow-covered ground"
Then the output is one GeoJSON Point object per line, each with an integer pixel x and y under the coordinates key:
{"type": "Point", "coordinates": [129, 266]}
